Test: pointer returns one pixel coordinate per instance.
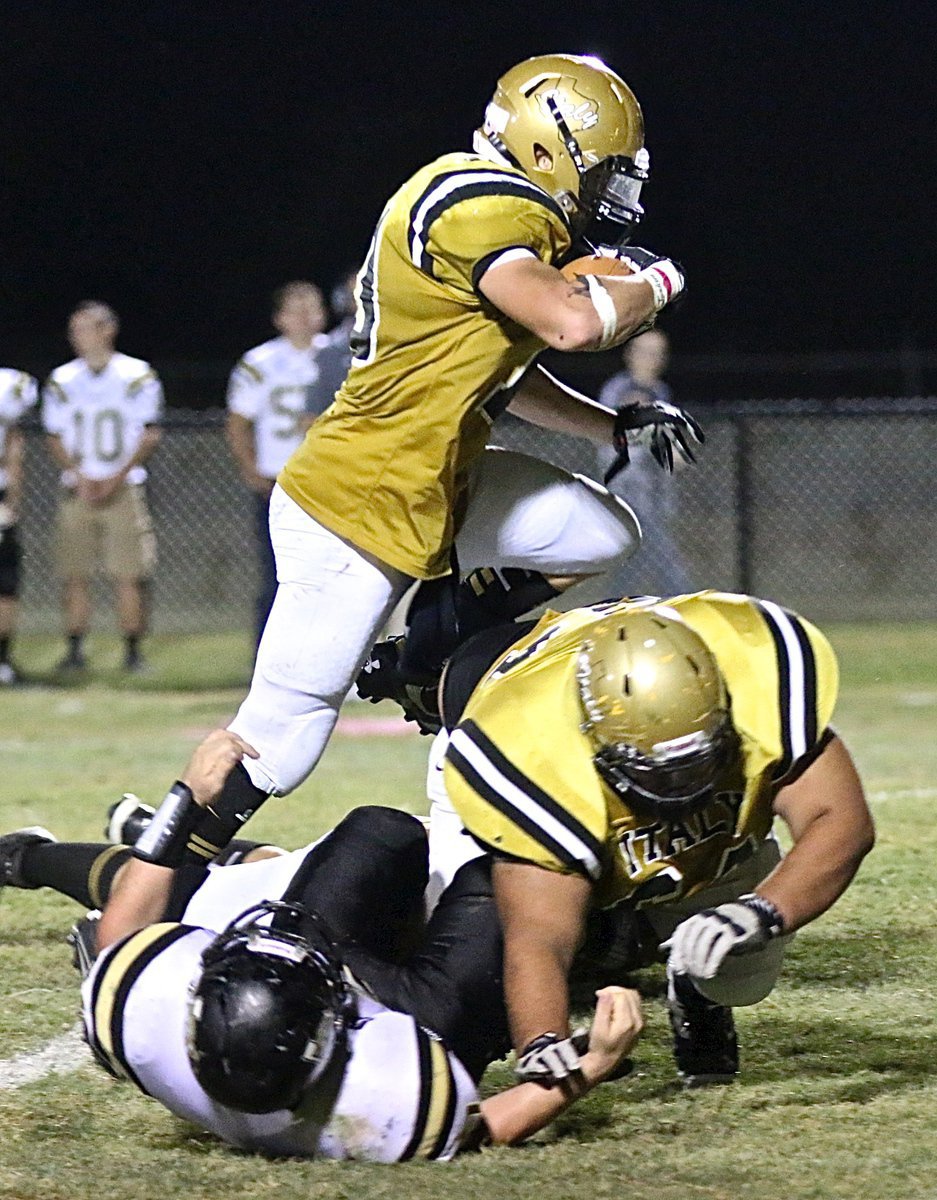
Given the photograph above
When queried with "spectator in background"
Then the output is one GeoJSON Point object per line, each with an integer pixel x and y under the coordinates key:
{"type": "Point", "coordinates": [101, 412]}
{"type": "Point", "coordinates": [17, 394]}
{"type": "Point", "coordinates": [334, 357]}
{"type": "Point", "coordinates": [657, 567]}
{"type": "Point", "coordinates": [267, 410]}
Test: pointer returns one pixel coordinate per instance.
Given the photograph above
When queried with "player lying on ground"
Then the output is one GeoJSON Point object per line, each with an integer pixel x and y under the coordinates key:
{"type": "Point", "coordinates": [636, 754]}
{"type": "Point", "coordinates": [264, 1035]}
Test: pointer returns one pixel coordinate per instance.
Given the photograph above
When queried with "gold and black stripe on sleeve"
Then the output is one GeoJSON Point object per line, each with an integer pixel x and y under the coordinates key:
{"type": "Point", "coordinates": [112, 986]}
{"type": "Point", "coordinates": [436, 1104]}
{"type": "Point", "coordinates": [797, 686]}
{"type": "Point", "coordinates": [138, 384]}
{"type": "Point", "coordinates": [502, 785]}
{"type": "Point", "coordinates": [53, 389]}
{"type": "Point", "coordinates": [453, 187]}
{"type": "Point", "coordinates": [253, 373]}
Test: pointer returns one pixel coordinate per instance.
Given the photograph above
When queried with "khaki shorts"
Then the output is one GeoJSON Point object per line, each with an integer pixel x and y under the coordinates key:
{"type": "Point", "coordinates": [117, 536]}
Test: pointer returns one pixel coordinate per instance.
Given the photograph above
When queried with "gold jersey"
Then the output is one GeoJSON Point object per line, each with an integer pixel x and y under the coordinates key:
{"type": "Point", "coordinates": [519, 766]}
{"type": "Point", "coordinates": [384, 466]}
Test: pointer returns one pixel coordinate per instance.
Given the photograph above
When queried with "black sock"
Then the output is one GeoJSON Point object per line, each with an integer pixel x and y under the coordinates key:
{"type": "Point", "coordinates": [238, 801]}
{"type": "Point", "coordinates": [5, 641]}
{"type": "Point", "coordinates": [74, 646]}
{"type": "Point", "coordinates": [82, 870]}
{"type": "Point", "coordinates": [132, 643]}
{"type": "Point", "coordinates": [488, 597]}
{"type": "Point", "coordinates": [442, 614]}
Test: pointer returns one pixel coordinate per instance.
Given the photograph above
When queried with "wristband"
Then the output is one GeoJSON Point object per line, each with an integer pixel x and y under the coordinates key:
{"type": "Point", "coordinates": [772, 922]}
{"type": "Point", "coordinates": [665, 281]}
{"type": "Point", "coordinates": [165, 841]}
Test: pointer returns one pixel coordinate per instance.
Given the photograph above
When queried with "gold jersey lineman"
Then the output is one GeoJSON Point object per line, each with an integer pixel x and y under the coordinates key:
{"type": "Point", "coordinates": [519, 767]}
{"type": "Point", "coordinates": [384, 466]}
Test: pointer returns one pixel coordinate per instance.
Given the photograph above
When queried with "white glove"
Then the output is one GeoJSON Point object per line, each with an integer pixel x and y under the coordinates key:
{"type": "Point", "coordinates": [548, 1059]}
{"type": "Point", "coordinates": [700, 943]}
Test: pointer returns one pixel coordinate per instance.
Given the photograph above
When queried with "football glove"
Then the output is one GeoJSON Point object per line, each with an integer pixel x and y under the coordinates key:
{"type": "Point", "coordinates": [549, 1059]}
{"type": "Point", "coordinates": [699, 944]}
{"type": "Point", "coordinates": [661, 426]}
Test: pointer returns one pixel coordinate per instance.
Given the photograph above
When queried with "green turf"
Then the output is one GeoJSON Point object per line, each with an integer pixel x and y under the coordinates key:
{"type": "Point", "coordinates": [837, 1096]}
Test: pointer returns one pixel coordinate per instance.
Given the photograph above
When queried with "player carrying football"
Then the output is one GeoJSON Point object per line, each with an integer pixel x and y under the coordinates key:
{"type": "Point", "coordinates": [458, 294]}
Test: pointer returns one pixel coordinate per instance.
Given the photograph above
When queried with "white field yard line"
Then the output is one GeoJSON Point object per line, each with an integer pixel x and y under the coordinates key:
{"type": "Point", "coordinates": [60, 1056]}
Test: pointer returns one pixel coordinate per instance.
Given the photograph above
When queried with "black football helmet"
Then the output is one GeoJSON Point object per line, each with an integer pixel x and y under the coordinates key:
{"type": "Point", "coordinates": [269, 1012]}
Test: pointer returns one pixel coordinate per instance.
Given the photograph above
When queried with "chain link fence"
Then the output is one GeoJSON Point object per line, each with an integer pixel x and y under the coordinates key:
{"type": "Point", "coordinates": [830, 508]}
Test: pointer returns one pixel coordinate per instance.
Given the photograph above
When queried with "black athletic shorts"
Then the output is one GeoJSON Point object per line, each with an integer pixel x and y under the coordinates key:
{"type": "Point", "coordinates": [10, 556]}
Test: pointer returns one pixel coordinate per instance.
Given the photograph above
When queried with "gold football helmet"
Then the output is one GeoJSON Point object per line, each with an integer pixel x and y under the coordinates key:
{"type": "Point", "coordinates": [575, 129]}
{"type": "Point", "coordinates": [657, 710]}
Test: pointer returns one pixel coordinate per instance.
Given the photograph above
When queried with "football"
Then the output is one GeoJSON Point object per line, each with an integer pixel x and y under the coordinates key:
{"type": "Point", "coordinates": [596, 264]}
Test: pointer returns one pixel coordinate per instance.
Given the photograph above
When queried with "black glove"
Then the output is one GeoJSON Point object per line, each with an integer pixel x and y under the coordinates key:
{"type": "Point", "coordinates": [660, 426]}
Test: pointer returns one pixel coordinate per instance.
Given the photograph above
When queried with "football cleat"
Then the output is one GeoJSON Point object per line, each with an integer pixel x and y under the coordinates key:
{"type": "Point", "coordinates": [381, 679]}
{"type": "Point", "coordinates": [127, 819]}
{"type": "Point", "coordinates": [705, 1046]}
{"type": "Point", "coordinates": [12, 847]}
{"type": "Point", "coordinates": [83, 939]}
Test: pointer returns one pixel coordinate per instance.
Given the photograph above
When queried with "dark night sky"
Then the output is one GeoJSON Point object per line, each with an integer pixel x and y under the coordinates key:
{"type": "Point", "coordinates": [180, 159]}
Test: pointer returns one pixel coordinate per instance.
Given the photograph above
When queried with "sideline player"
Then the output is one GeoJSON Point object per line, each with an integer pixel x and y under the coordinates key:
{"type": "Point", "coordinates": [458, 294]}
{"type": "Point", "coordinates": [17, 394]}
{"type": "Point", "coordinates": [101, 412]}
{"type": "Point", "coordinates": [267, 411]}
{"type": "Point", "coordinates": [636, 753]}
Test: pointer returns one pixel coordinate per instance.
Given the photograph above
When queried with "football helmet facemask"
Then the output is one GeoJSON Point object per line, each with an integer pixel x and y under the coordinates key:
{"type": "Point", "coordinates": [657, 711]}
{"type": "Point", "coordinates": [269, 1011]}
{"type": "Point", "coordinates": [575, 129]}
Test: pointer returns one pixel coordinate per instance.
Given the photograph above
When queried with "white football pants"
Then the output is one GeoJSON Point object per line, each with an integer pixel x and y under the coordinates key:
{"type": "Point", "coordinates": [333, 599]}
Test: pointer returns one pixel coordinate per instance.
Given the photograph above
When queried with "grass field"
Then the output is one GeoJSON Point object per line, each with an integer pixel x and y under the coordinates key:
{"type": "Point", "coordinates": [838, 1096]}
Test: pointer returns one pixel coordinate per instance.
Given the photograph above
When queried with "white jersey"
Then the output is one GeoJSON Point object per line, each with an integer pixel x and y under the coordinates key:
{"type": "Point", "coordinates": [101, 415]}
{"type": "Point", "coordinates": [401, 1095]}
{"type": "Point", "coordinates": [226, 892]}
{"type": "Point", "coordinates": [268, 387]}
{"type": "Point", "coordinates": [17, 393]}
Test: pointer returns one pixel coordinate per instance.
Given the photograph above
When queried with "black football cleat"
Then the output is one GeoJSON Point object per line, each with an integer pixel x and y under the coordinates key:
{"type": "Point", "coordinates": [127, 819]}
{"type": "Point", "coordinates": [381, 679]}
{"type": "Point", "coordinates": [12, 847]}
{"type": "Point", "coordinates": [705, 1046]}
{"type": "Point", "coordinates": [83, 939]}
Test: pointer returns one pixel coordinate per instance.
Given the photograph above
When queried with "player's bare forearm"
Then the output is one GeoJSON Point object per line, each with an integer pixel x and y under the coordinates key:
{"type": "Point", "coordinates": [559, 311]}
{"type": "Point", "coordinates": [149, 440]}
{"type": "Point", "coordinates": [239, 432]}
{"type": "Point", "coordinates": [832, 828]}
{"type": "Point", "coordinates": [521, 1111]}
{"type": "Point", "coordinates": [542, 917]}
{"type": "Point", "coordinates": [142, 890]}
{"type": "Point", "coordinates": [544, 401]}
{"type": "Point", "coordinates": [60, 456]}
{"type": "Point", "coordinates": [138, 898]}
{"type": "Point", "coordinates": [13, 465]}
